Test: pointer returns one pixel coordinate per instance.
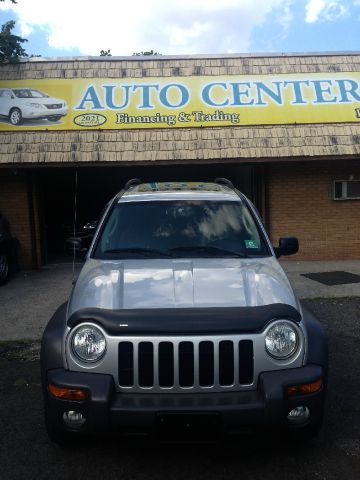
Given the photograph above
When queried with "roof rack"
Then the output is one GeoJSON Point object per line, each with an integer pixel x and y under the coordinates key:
{"type": "Point", "coordinates": [224, 181]}
{"type": "Point", "coordinates": [132, 182]}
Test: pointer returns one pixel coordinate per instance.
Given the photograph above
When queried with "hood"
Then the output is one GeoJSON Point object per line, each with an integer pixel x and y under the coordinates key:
{"type": "Point", "coordinates": [44, 100]}
{"type": "Point", "coordinates": [181, 283]}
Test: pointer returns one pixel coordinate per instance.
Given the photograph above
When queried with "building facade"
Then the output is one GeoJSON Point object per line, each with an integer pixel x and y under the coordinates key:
{"type": "Point", "coordinates": [284, 128]}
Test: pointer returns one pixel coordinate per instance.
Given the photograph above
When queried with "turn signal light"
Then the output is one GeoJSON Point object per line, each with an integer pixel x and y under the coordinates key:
{"type": "Point", "coordinates": [67, 393]}
{"type": "Point", "coordinates": [305, 389]}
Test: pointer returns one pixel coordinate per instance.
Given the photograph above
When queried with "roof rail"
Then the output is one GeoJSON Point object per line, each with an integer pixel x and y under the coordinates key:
{"type": "Point", "coordinates": [132, 182]}
{"type": "Point", "coordinates": [224, 181]}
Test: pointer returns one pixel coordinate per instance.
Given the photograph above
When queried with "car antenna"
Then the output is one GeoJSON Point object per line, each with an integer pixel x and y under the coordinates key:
{"type": "Point", "coordinates": [74, 227]}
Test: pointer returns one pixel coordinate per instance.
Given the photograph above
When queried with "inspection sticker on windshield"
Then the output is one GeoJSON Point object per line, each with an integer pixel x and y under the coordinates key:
{"type": "Point", "coordinates": [251, 244]}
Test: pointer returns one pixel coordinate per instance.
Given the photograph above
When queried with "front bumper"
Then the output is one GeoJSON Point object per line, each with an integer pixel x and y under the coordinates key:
{"type": "Point", "coordinates": [38, 114]}
{"type": "Point", "coordinates": [105, 409]}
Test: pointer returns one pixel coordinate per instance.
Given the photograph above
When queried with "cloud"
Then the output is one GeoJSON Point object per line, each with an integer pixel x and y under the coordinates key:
{"type": "Point", "coordinates": [313, 10]}
{"type": "Point", "coordinates": [169, 27]}
{"type": "Point", "coordinates": [327, 10]}
{"type": "Point", "coordinates": [334, 11]}
{"type": "Point", "coordinates": [283, 18]}
{"type": "Point", "coordinates": [273, 33]}
{"type": "Point", "coordinates": [207, 27]}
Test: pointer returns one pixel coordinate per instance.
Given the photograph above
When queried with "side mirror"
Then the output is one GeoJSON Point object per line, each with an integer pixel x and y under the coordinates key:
{"type": "Point", "coordinates": [287, 246]}
{"type": "Point", "coordinates": [75, 245]}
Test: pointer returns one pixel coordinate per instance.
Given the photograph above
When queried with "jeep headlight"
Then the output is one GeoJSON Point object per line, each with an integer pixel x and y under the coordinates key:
{"type": "Point", "coordinates": [281, 340]}
{"type": "Point", "coordinates": [88, 343]}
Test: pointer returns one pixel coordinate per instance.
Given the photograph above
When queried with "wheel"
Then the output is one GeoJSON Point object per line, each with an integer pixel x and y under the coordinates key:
{"type": "Point", "coordinates": [54, 118]}
{"type": "Point", "coordinates": [15, 116]}
{"type": "Point", "coordinates": [4, 268]}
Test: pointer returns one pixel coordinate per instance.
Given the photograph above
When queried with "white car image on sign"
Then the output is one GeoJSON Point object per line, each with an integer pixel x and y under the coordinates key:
{"type": "Point", "coordinates": [19, 104]}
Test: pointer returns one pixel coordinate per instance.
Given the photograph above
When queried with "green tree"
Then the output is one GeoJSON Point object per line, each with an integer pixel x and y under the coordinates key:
{"type": "Point", "coordinates": [11, 48]}
{"type": "Point", "coordinates": [105, 53]}
{"type": "Point", "coordinates": [10, 45]}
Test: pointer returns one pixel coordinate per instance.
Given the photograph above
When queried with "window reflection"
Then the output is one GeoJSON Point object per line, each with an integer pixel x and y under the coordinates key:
{"type": "Point", "coordinates": [163, 225]}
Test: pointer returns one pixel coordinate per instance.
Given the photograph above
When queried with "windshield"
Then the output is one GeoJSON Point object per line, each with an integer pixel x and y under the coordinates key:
{"type": "Point", "coordinates": [29, 93]}
{"type": "Point", "coordinates": [180, 229]}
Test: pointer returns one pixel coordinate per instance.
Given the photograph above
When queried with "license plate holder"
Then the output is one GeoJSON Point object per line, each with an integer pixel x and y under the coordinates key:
{"type": "Point", "coordinates": [189, 426]}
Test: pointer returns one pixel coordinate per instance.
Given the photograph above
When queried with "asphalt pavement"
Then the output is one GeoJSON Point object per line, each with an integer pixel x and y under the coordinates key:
{"type": "Point", "coordinates": [30, 298]}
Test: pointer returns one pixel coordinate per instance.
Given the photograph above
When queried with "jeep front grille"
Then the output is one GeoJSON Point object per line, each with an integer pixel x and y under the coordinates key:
{"type": "Point", "coordinates": [185, 364]}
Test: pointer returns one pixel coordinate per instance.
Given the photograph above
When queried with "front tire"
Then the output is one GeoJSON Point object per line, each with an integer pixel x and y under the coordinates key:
{"type": "Point", "coordinates": [4, 268]}
{"type": "Point", "coordinates": [15, 117]}
{"type": "Point", "coordinates": [54, 118]}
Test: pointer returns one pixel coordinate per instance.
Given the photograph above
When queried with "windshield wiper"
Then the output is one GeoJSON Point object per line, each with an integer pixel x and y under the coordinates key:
{"type": "Point", "coordinates": [213, 251]}
{"type": "Point", "coordinates": [138, 251]}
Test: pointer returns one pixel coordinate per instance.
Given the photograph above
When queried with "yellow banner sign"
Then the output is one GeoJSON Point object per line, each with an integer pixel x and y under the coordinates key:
{"type": "Point", "coordinates": [85, 104]}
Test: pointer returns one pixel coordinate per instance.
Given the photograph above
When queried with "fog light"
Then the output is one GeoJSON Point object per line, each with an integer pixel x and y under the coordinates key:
{"type": "Point", "coordinates": [299, 415]}
{"type": "Point", "coordinates": [73, 419]}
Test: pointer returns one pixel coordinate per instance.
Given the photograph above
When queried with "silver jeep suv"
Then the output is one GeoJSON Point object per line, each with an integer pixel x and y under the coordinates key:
{"type": "Point", "coordinates": [181, 321]}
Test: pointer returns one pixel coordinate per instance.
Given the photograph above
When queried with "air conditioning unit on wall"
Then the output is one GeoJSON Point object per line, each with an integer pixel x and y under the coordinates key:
{"type": "Point", "coordinates": [347, 190]}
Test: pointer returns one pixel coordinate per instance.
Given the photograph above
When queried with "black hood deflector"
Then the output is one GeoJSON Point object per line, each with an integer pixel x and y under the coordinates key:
{"type": "Point", "coordinates": [185, 321]}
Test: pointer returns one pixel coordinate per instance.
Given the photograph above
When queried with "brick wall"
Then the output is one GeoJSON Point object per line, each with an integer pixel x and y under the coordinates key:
{"type": "Point", "coordinates": [14, 205]}
{"type": "Point", "coordinates": [301, 204]}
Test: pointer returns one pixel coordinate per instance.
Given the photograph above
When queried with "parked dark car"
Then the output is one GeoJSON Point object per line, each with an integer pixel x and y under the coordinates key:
{"type": "Point", "coordinates": [7, 251]}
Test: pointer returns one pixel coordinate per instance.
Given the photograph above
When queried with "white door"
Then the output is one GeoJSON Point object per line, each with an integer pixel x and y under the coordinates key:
{"type": "Point", "coordinates": [6, 101]}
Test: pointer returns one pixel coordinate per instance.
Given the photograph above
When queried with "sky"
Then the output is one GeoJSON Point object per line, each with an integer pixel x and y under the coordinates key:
{"type": "Point", "coordinates": [176, 27]}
